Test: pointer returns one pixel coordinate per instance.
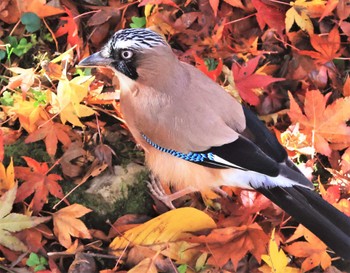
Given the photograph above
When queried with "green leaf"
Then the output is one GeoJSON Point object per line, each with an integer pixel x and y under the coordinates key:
{"type": "Point", "coordinates": [39, 268]}
{"type": "Point", "coordinates": [211, 63]}
{"type": "Point", "coordinates": [39, 97]}
{"type": "Point", "coordinates": [12, 40]}
{"type": "Point", "coordinates": [22, 48]}
{"type": "Point", "coordinates": [31, 21]}
{"type": "Point", "coordinates": [182, 268]}
{"type": "Point", "coordinates": [138, 22]}
{"type": "Point", "coordinates": [33, 259]}
{"type": "Point", "coordinates": [2, 55]}
{"type": "Point", "coordinates": [7, 99]}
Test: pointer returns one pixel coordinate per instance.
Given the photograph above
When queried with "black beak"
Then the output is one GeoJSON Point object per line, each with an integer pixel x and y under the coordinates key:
{"type": "Point", "coordinates": [96, 59]}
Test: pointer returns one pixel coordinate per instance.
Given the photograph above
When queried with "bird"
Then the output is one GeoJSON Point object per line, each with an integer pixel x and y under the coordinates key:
{"type": "Point", "coordinates": [197, 136]}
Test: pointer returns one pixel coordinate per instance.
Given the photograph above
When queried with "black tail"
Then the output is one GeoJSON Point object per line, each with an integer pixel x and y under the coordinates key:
{"type": "Point", "coordinates": [316, 214]}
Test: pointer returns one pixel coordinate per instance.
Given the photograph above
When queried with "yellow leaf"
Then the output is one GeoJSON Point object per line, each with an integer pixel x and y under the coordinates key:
{"type": "Point", "coordinates": [168, 227]}
{"type": "Point", "coordinates": [145, 266]}
{"type": "Point", "coordinates": [68, 100]}
{"type": "Point", "coordinates": [26, 111]}
{"type": "Point", "coordinates": [66, 224]}
{"type": "Point", "coordinates": [276, 259]}
{"type": "Point", "coordinates": [299, 15]}
{"type": "Point", "coordinates": [7, 177]}
{"type": "Point", "coordinates": [13, 222]}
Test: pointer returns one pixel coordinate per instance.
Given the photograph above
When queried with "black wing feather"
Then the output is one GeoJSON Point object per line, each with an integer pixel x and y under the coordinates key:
{"type": "Point", "coordinates": [308, 208]}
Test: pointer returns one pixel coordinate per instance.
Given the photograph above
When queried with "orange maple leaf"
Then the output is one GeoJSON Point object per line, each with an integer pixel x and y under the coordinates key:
{"type": "Point", "coordinates": [327, 47]}
{"type": "Point", "coordinates": [66, 224]}
{"type": "Point", "coordinates": [324, 125]}
{"type": "Point", "coordinates": [314, 250]}
{"type": "Point", "coordinates": [213, 74]}
{"type": "Point", "coordinates": [233, 243]}
{"type": "Point", "coordinates": [51, 132]}
{"type": "Point", "coordinates": [37, 181]}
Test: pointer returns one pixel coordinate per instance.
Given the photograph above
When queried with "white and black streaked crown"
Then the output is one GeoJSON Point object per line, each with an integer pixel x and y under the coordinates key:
{"type": "Point", "coordinates": [137, 38]}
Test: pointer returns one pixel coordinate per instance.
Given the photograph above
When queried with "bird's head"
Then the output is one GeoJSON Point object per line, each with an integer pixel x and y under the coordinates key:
{"type": "Point", "coordinates": [133, 54]}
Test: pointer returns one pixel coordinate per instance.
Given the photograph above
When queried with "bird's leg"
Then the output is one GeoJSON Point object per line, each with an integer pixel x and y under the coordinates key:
{"type": "Point", "coordinates": [157, 190]}
{"type": "Point", "coordinates": [221, 192]}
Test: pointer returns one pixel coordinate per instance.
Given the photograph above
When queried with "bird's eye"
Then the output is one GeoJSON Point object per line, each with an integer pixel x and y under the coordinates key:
{"type": "Point", "coordinates": [126, 54]}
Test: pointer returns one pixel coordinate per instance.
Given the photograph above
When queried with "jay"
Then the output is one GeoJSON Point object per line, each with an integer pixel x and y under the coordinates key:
{"type": "Point", "coordinates": [195, 135]}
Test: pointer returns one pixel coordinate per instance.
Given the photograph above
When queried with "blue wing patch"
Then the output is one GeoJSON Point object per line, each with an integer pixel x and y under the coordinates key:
{"type": "Point", "coordinates": [206, 159]}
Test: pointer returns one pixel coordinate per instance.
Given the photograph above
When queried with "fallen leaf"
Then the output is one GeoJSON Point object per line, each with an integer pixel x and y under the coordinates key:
{"type": "Point", "coordinates": [27, 111]}
{"type": "Point", "coordinates": [214, 73]}
{"type": "Point", "coordinates": [298, 14]}
{"type": "Point", "coordinates": [330, 6]}
{"type": "Point", "coordinates": [269, 15]}
{"type": "Point", "coordinates": [145, 266]}
{"type": "Point", "coordinates": [233, 243]}
{"type": "Point", "coordinates": [247, 82]}
{"type": "Point", "coordinates": [14, 222]}
{"type": "Point", "coordinates": [38, 181]}
{"type": "Point", "coordinates": [324, 125]}
{"type": "Point", "coordinates": [7, 177]}
{"type": "Point", "coordinates": [327, 46]}
{"type": "Point", "coordinates": [24, 79]}
{"type": "Point", "coordinates": [67, 102]}
{"type": "Point", "coordinates": [165, 228]}
{"type": "Point", "coordinates": [70, 27]}
{"type": "Point", "coordinates": [51, 133]}
{"type": "Point", "coordinates": [276, 259]}
{"type": "Point", "coordinates": [11, 10]}
{"type": "Point", "coordinates": [66, 224]}
{"type": "Point", "coordinates": [346, 87]}
{"type": "Point", "coordinates": [314, 250]}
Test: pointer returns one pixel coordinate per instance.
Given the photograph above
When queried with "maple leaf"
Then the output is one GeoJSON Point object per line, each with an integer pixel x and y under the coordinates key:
{"type": "Point", "coordinates": [66, 224]}
{"type": "Point", "coordinates": [7, 177]}
{"type": "Point", "coordinates": [330, 6]}
{"type": "Point", "coordinates": [247, 82]}
{"type": "Point", "coordinates": [327, 46]}
{"type": "Point", "coordinates": [71, 29]}
{"type": "Point", "coordinates": [314, 250]}
{"type": "Point", "coordinates": [27, 111]}
{"type": "Point", "coordinates": [214, 4]}
{"type": "Point", "coordinates": [68, 100]}
{"type": "Point", "coordinates": [52, 132]}
{"type": "Point", "coordinates": [37, 181]}
{"type": "Point", "coordinates": [24, 79]}
{"type": "Point", "coordinates": [201, 65]}
{"type": "Point", "coordinates": [269, 15]}
{"type": "Point", "coordinates": [325, 126]}
{"type": "Point", "coordinates": [13, 10]}
{"type": "Point", "coordinates": [233, 243]}
{"type": "Point", "coordinates": [299, 14]}
{"type": "Point", "coordinates": [276, 259]}
{"type": "Point", "coordinates": [346, 87]}
{"type": "Point", "coordinates": [14, 222]}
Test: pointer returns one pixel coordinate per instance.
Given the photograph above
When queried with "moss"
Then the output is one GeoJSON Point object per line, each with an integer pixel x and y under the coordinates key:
{"type": "Point", "coordinates": [135, 201]}
{"type": "Point", "coordinates": [36, 150]}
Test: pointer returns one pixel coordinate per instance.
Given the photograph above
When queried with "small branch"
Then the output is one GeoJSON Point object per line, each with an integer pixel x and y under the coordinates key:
{"type": "Point", "coordinates": [240, 19]}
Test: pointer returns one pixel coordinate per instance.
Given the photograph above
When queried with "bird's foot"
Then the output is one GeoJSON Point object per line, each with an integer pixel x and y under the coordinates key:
{"type": "Point", "coordinates": [158, 192]}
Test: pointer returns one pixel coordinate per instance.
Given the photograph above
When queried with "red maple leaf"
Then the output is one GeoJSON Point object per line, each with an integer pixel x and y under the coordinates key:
{"type": "Point", "coordinates": [71, 28]}
{"type": "Point", "coordinates": [269, 15]}
{"type": "Point", "coordinates": [246, 80]}
{"type": "Point", "coordinates": [37, 181]}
